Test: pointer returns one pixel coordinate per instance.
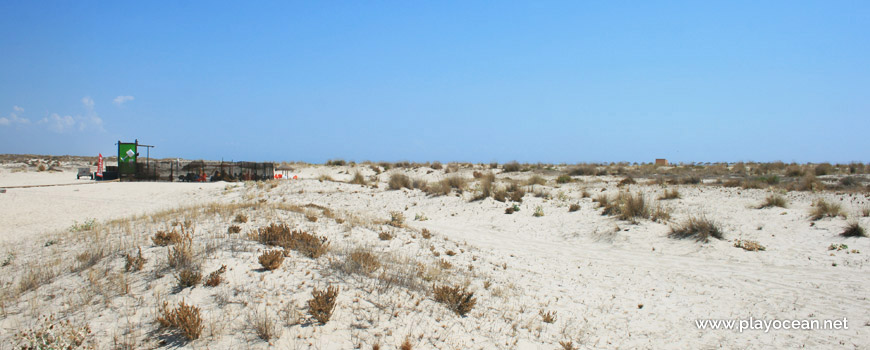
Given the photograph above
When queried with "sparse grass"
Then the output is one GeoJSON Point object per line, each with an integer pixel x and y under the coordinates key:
{"type": "Point", "coordinates": [322, 303]}
{"type": "Point", "coordinates": [564, 178]}
{"type": "Point", "coordinates": [358, 179]}
{"type": "Point", "coordinates": [853, 229]}
{"type": "Point", "coordinates": [134, 263]}
{"type": "Point", "coordinates": [385, 236]}
{"type": "Point", "coordinates": [823, 208]}
{"type": "Point", "coordinates": [263, 325]}
{"type": "Point", "coordinates": [399, 181]}
{"type": "Point", "coordinates": [456, 299]}
{"type": "Point", "coordinates": [626, 181]}
{"type": "Point", "coordinates": [215, 278]}
{"type": "Point", "coordinates": [632, 206]}
{"type": "Point", "coordinates": [281, 235]}
{"type": "Point", "coordinates": [670, 194]}
{"type": "Point", "coordinates": [51, 334]}
{"type": "Point", "coordinates": [240, 218]}
{"type": "Point", "coordinates": [603, 200]}
{"type": "Point", "coordinates": [567, 345]}
{"type": "Point", "coordinates": [511, 167]}
{"type": "Point", "coordinates": [699, 228]}
{"type": "Point", "coordinates": [181, 254]}
{"type": "Point", "coordinates": [271, 259]}
{"type": "Point", "coordinates": [749, 245]}
{"type": "Point", "coordinates": [773, 201]}
{"type": "Point", "coordinates": [573, 207]}
{"type": "Point", "coordinates": [363, 261]}
{"type": "Point", "coordinates": [539, 212]}
{"type": "Point", "coordinates": [184, 319]}
{"type": "Point", "coordinates": [397, 219]}
{"type": "Point", "coordinates": [536, 180]}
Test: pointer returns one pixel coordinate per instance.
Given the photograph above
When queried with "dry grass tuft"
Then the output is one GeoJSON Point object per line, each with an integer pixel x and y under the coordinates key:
{"type": "Point", "coordinates": [547, 317]}
{"type": "Point", "coordinates": [363, 261]}
{"type": "Point", "coordinates": [567, 345]}
{"type": "Point", "coordinates": [184, 319]}
{"type": "Point", "coordinates": [322, 303]}
{"type": "Point", "coordinates": [425, 233]}
{"type": "Point", "coordinates": [135, 263]}
{"type": "Point", "coordinates": [358, 179]}
{"type": "Point", "coordinates": [399, 181]}
{"type": "Point", "coordinates": [181, 254]}
{"type": "Point", "coordinates": [698, 227]}
{"type": "Point", "coordinates": [748, 245]}
{"type": "Point", "coordinates": [456, 299]}
{"type": "Point", "coordinates": [853, 229]}
{"type": "Point", "coordinates": [271, 259]}
{"type": "Point", "coordinates": [670, 194]}
{"type": "Point", "coordinates": [188, 276]}
{"type": "Point", "coordinates": [773, 201]}
{"type": "Point", "coordinates": [241, 218]}
{"type": "Point", "coordinates": [823, 208]}
{"type": "Point", "coordinates": [626, 181]}
{"type": "Point", "coordinates": [263, 325]}
{"type": "Point", "coordinates": [397, 219]}
{"type": "Point", "coordinates": [536, 180]}
{"type": "Point", "coordinates": [511, 167]}
{"type": "Point", "coordinates": [573, 207]}
{"type": "Point", "coordinates": [385, 236]}
{"type": "Point", "coordinates": [406, 344]}
{"type": "Point", "coordinates": [163, 238]}
{"type": "Point", "coordinates": [215, 278]}
{"type": "Point", "coordinates": [234, 229]}
{"type": "Point", "coordinates": [282, 236]}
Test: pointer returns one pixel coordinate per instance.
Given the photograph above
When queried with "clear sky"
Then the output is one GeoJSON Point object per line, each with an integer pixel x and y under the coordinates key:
{"type": "Point", "coordinates": [479, 81]}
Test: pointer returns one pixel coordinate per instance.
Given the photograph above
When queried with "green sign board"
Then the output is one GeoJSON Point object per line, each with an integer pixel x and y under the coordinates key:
{"type": "Point", "coordinates": [127, 153]}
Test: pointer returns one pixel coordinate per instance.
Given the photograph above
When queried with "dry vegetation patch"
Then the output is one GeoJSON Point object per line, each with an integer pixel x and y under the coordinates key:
{"type": "Point", "coordinates": [322, 303]}
{"type": "Point", "coordinates": [271, 259]}
{"type": "Point", "coordinates": [456, 299]}
{"type": "Point", "coordinates": [184, 319]}
{"type": "Point", "coordinates": [823, 208]}
{"type": "Point", "coordinates": [773, 201]}
{"type": "Point", "coordinates": [281, 235]}
{"type": "Point", "coordinates": [699, 228]}
{"type": "Point", "coordinates": [749, 245]}
{"type": "Point", "coordinates": [853, 229]}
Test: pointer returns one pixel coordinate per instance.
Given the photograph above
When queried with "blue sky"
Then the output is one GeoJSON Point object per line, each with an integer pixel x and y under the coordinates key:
{"type": "Point", "coordinates": [472, 81]}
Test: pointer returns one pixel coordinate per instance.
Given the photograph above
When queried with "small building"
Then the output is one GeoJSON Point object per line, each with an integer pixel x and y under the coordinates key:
{"type": "Point", "coordinates": [661, 162]}
{"type": "Point", "coordinates": [284, 172]}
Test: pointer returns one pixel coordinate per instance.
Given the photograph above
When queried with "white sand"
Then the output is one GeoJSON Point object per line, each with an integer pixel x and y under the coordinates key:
{"type": "Point", "coordinates": [576, 264]}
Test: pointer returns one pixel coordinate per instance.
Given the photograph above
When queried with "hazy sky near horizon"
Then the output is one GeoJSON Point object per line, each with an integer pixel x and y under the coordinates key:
{"type": "Point", "coordinates": [479, 81]}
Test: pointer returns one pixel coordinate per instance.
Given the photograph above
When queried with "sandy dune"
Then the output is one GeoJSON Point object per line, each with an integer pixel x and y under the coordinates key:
{"type": "Point", "coordinates": [613, 284]}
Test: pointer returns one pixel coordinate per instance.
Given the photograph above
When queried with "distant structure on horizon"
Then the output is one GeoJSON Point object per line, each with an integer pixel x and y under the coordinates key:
{"type": "Point", "coordinates": [661, 161]}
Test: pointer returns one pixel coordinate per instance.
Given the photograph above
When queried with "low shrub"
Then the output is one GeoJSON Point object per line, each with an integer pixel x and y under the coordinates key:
{"type": "Point", "coordinates": [358, 179]}
{"type": "Point", "coordinates": [539, 212]}
{"type": "Point", "coordinates": [456, 299]}
{"type": "Point", "coordinates": [536, 180]}
{"type": "Point", "coordinates": [853, 229]}
{"type": "Point", "coordinates": [188, 276]}
{"type": "Point", "coordinates": [773, 201]}
{"type": "Point", "coordinates": [399, 181]}
{"type": "Point", "coordinates": [271, 259]}
{"type": "Point", "coordinates": [573, 207]}
{"type": "Point", "coordinates": [241, 218]}
{"type": "Point", "coordinates": [563, 179]}
{"type": "Point", "coordinates": [234, 229]}
{"type": "Point", "coordinates": [184, 319]}
{"type": "Point", "coordinates": [670, 194]}
{"type": "Point", "coordinates": [697, 227]}
{"type": "Point", "coordinates": [397, 219]}
{"type": "Point", "coordinates": [823, 208]}
{"type": "Point", "coordinates": [511, 167]}
{"type": "Point", "coordinates": [135, 263]}
{"type": "Point", "coordinates": [322, 303]}
{"type": "Point", "coordinates": [163, 238]}
{"type": "Point", "coordinates": [215, 278]}
{"type": "Point", "coordinates": [281, 235]}
{"type": "Point", "coordinates": [626, 181]}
